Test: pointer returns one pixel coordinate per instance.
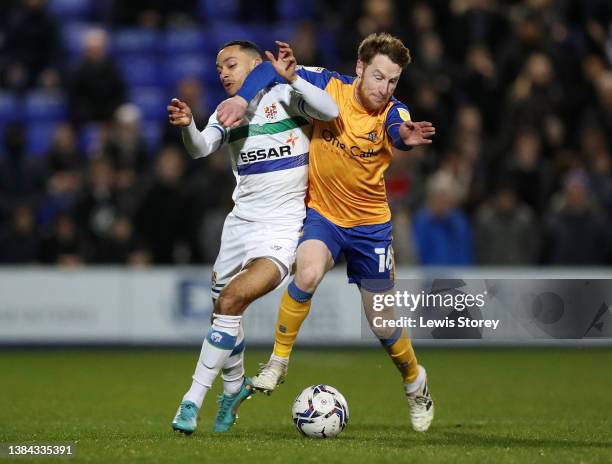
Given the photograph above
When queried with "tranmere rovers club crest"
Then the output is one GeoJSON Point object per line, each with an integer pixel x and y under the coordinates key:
{"type": "Point", "coordinates": [270, 111]}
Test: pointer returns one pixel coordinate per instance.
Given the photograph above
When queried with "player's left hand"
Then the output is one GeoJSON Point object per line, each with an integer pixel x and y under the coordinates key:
{"type": "Point", "coordinates": [416, 133]}
{"type": "Point", "coordinates": [231, 111]}
{"type": "Point", "coordinates": [285, 64]}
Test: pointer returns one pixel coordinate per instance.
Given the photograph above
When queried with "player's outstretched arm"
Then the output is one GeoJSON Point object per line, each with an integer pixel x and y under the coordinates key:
{"type": "Point", "coordinates": [314, 102]}
{"type": "Point", "coordinates": [198, 144]}
{"type": "Point", "coordinates": [231, 111]}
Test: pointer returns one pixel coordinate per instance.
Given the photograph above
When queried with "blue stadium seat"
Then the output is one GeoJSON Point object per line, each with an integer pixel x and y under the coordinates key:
{"type": "Point", "coordinates": [139, 70]}
{"type": "Point", "coordinates": [223, 32]}
{"type": "Point", "coordinates": [39, 137]}
{"type": "Point", "coordinates": [295, 10]}
{"type": "Point", "coordinates": [9, 107]}
{"type": "Point", "coordinates": [179, 67]}
{"type": "Point", "coordinates": [215, 94]}
{"type": "Point", "coordinates": [152, 101]}
{"type": "Point", "coordinates": [219, 10]}
{"type": "Point", "coordinates": [152, 132]}
{"type": "Point", "coordinates": [134, 40]}
{"type": "Point", "coordinates": [328, 47]}
{"type": "Point", "coordinates": [70, 9]}
{"type": "Point", "coordinates": [185, 40]}
{"type": "Point", "coordinates": [41, 105]}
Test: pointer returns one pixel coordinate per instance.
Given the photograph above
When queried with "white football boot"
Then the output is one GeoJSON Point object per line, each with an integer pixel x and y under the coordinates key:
{"type": "Point", "coordinates": [270, 376]}
{"type": "Point", "coordinates": [421, 405]}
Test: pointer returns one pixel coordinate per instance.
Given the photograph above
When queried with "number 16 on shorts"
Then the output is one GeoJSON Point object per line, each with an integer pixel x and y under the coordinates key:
{"type": "Point", "coordinates": [385, 259]}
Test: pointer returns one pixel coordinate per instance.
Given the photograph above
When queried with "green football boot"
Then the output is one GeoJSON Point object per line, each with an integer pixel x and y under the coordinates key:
{"type": "Point", "coordinates": [186, 417]}
{"type": "Point", "coordinates": [229, 404]}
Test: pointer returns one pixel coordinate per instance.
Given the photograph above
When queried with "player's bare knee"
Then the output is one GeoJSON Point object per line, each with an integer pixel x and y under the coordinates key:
{"type": "Point", "coordinates": [308, 278]}
{"type": "Point", "coordinates": [231, 303]}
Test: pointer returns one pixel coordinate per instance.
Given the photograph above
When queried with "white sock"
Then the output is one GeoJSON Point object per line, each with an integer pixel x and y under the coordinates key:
{"type": "Point", "coordinates": [416, 384]}
{"type": "Point", "coordinates": [232, 372]}
{"type": "Point", "coordinates": [280, 359]}
{"type": "Point", "coordinates": [216, 349]}
{"type": "Point", "coordinates": [196, 393]}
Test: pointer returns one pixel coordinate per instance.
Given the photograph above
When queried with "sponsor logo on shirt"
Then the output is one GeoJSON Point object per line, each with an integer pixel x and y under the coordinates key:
{"type": "Point", "coordinates": [354, 150]}
{"type": "Point", "coordinates": [265, 153]}
{"type": "Point", "coordinates": [292, 138]}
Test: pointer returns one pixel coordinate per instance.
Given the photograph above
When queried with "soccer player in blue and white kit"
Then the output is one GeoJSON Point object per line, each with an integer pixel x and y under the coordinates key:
{"type": "Point", "coordinates": [269, 155]}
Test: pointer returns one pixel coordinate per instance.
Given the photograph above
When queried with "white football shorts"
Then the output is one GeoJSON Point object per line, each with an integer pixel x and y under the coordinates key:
{"type": "Point", "coordinates": [243, 241]}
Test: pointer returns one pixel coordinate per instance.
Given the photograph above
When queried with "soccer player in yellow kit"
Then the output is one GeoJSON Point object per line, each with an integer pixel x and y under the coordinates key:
{"type": "Point", "coordinates": [348, 212]}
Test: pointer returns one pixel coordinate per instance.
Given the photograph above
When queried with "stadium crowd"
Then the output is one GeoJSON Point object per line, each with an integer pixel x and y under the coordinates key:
{"type": "Point", "coordinates": [520, 92]}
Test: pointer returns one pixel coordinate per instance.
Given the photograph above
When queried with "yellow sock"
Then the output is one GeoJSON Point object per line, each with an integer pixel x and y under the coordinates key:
{"type": "Point", "coordinates": [291, 314]}
{"type": "Point", "coordinates": [402, 355]}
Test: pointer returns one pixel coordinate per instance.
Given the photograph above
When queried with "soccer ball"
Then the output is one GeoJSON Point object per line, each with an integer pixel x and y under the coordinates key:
{"type": "Point", "coordinates": [320, 411]}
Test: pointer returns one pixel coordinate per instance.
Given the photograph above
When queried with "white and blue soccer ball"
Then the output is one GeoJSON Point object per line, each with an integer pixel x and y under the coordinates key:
{"type": "Point", "coordinates": [320, 411]}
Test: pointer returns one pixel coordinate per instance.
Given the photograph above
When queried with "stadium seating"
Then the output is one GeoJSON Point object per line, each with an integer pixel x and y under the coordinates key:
{"type": "Point", "coordinates": [152, 132]}
{"type": "Point", "coordinates": [216, 10]}
{"type": "Point", "coordinates": [39, 137]}
{"type": "Point", "coordinates": [295, 10]}
{"type": "Point", "coordinates": [224, 31]}
{"type": "Point", "coordinates": [140, 70]}
{"type": "Point", "coordinates": [9, 107]}
{"type": "Point", "coordinates": [133, 40]}
{"type": "Point", "coordinates": [152, 101]}
{"type": "Point", "coordinates": [70, 9]}
{"type": "Point", "coordinates": [178, 67]}
{"type": "Point", "coordinates": [185, 40]}
{"type": "Point", "coordinates": [42, 105]}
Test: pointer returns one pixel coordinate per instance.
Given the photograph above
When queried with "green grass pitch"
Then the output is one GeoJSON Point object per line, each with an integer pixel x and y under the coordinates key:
{"type": "Point", "coordinates": [494, 405]}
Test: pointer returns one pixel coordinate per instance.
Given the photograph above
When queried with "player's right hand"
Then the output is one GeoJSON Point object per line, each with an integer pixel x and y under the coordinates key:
{"type": "Point", "coordinates": [286, 63]}
{"type": "Point", "coordinates": [231, 111]}
{"type": "Point", "coordinates": [179, 113]}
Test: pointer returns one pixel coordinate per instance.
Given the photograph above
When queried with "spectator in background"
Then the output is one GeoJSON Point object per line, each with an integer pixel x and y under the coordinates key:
{"type": "Point", "coordinates": [161, 215]}
{"type": "Point", "coordinates": [64, 176]}
{"type": "Point", "coordinates": [474, 22]}
{"type": "Point", "coordinates": [601, 180]}
{"type": "Point", "coordinates": [604, 105]}
{"type": "Point", "coordinates": [441, 230]}
{"type": "Point", "coordinates": [191, 91]}
{"type": "Point", "coordinates": [96, 89]}
{"type": "Point", "coordinates": [305, 45]}
{"type": "Point", "coordinates": [153, 13]}
{"type": "Point", "coordinates": [97, 208]}
{"type": "Point", "coordinates": [212, 202]}
{"type": "Point", "coordinates": [19, 241]}
{"type": "Point", "coordinates": [529, 36]}
{"type": "Point", "coordinates": [120, 245]}
{"type": "Point", "coordinates": [64, 154]}
{"type": "Point", "coordinates": [125, 148]}
{"type": "Point", "coordinates": [577, 232]}
{"type": "Point", "coordinates": [62, 244]}
{"type": "Point", "coordinates": [506, 232]}
{"type": "Point", "coordinates": [535, 94]}
{"type": "Point", "coordinates": [21, 179]}
{"type": "Point", "coordinates": [403, 242]}
{"type": "Point", "coordinates": [30, 45]}
{"type": "Point", "coordinates": [481, 84]}
{"type": "Point", "coordinates": [526, 170]}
